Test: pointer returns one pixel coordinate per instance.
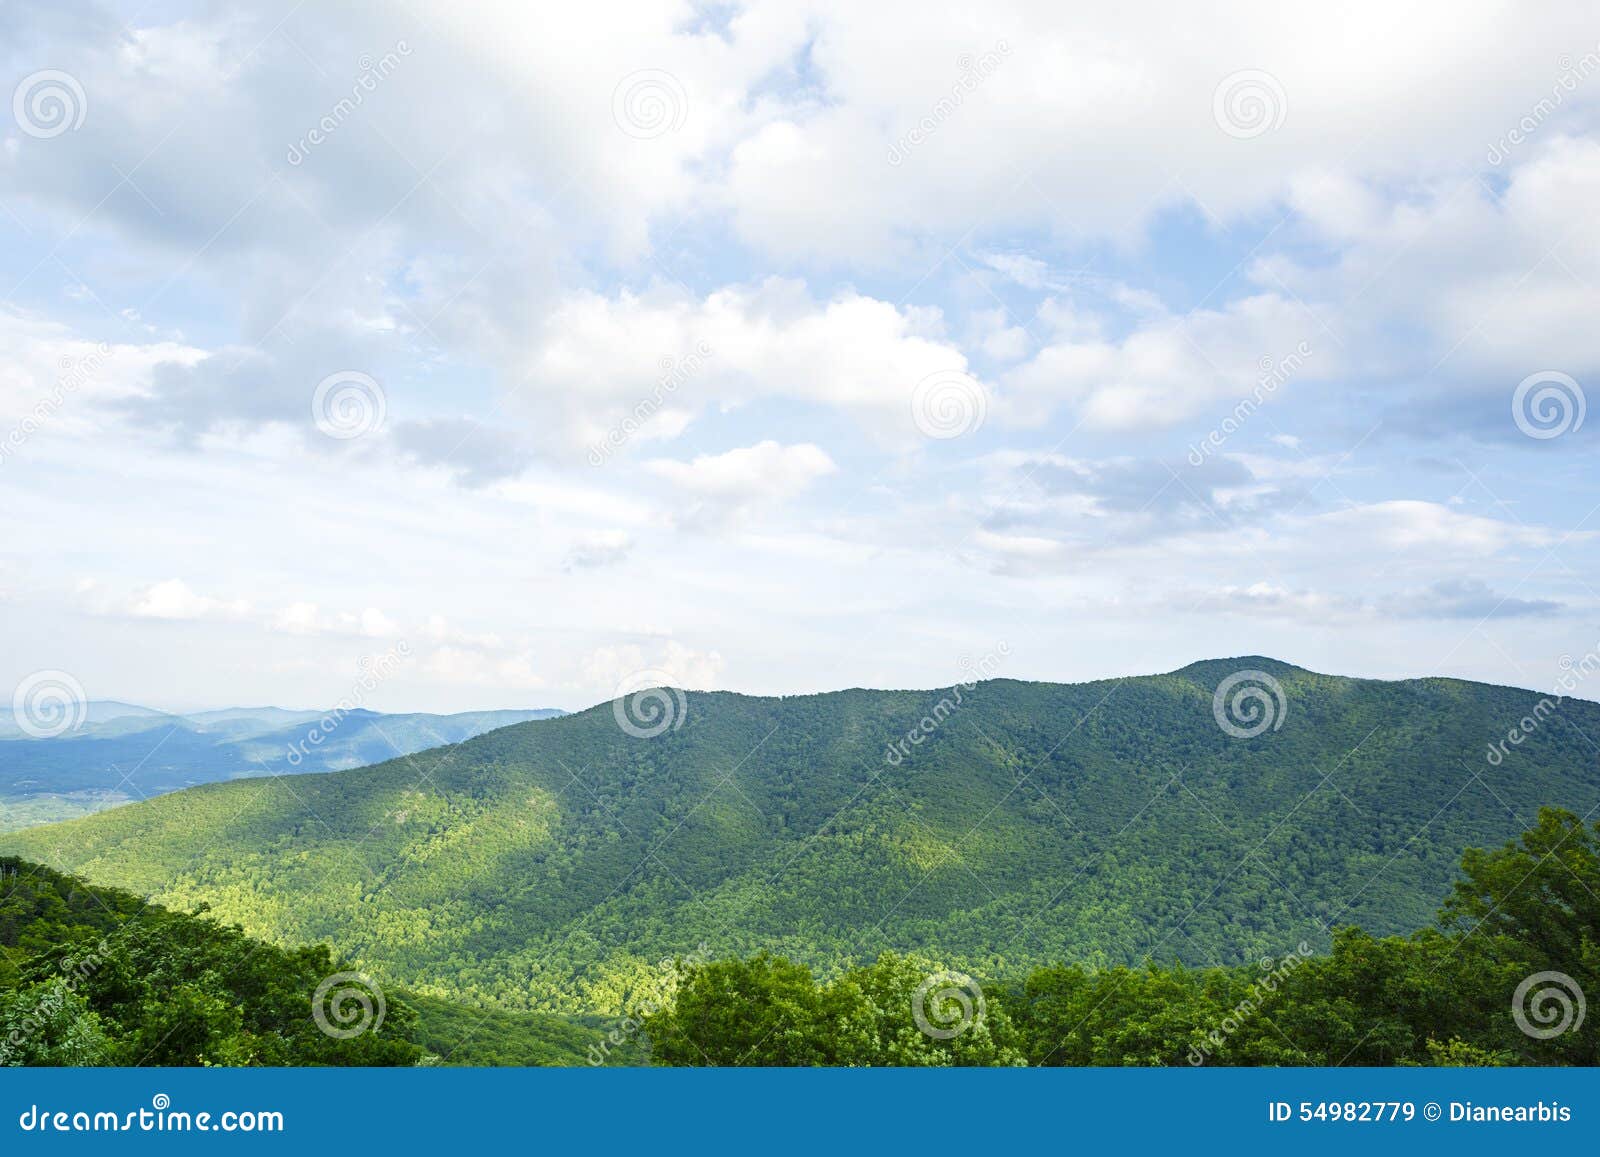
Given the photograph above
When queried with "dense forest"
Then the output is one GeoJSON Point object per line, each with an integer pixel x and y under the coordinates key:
{"type": "Point", "coordinates": [1500, 981]}
{"type": "Point", "coordinates": [550, 866]}
{"type": "Point", "coordinates": [94, 976]}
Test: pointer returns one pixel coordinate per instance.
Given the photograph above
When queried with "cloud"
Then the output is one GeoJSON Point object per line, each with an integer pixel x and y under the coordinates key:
{"type": "Point", "coordinates": [601, 548]}
{"type": "Point", "coordinates": [1408, 525]}
{"type": "Point", "coordinates": [438, 629]}
{"type": "Point", "coordinates": [1030, 501]}
{"type": "Point", "coordinates": [1466, 599]}
{"type": "Point", "coordinates": [1011, 152]}
{"type": "Point", "coordinates": [718, 488]}
{"type": "Point", "coordinates": [422, 231]}
{"type": "Point", "coordinates": [1447, 599]}
{"type": "Point", "coordinates": [1270, 599]}
{"type": "Point", "coordinates": [1461, 289]}
{"type": "Point", "coordinates": [602, 361]}
{"type": "Point", "coordinates": [474, 454]}
{"type": "Point", "coordinates": [472, 667]}
{"type": "Point", "coordinates": [52, 369]}
{"type": "Point", "coordinates": [817, 229]}
{"type": "Point", "coordinates": [1166, 370]}
{"type": "Point", "coordinates": [243, 387]}
{"type": "Point", "coordinates": [601, 370]}
{"type": "Point", "coordinates": [307, 618]}
{"type": "Point", "coordinates": [173, 599]}
{"type": "Point", "coordinates": [607, 668]}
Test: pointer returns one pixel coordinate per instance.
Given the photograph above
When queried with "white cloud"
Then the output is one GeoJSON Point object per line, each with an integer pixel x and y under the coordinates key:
{"type": "Point", "coordinates": [719, 487]}
{"type": "Point", "coordinates": [1095, 120]}
{"type": "Point", "coordinates": [54, 374]}
{"type": "Point", "coordinates": [438, 629]}
{"type": "Point", "coordinates": [763, 471]}
{"type": "Point", "coordinates": [172, 599]}
{"type": "Point", "coordinates": [306, 618]}
{"type": "Point", "coordinates": [1167, 370]}
{"type": "Point", "coordinates": [607, 668]}
{"type": "Point", "coordinates": [1075, 230]}
{"type": "Point", "coordinates": [298, 619]}
{"type": "Point", "coordinates": [471, 667]}
{"type": "Point", "coordinates": [1411, 526]}
{"type": "Point", "coordinates": [598, 358]}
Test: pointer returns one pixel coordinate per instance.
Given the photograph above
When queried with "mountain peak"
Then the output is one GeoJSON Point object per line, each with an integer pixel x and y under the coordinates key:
{"type": "Point", "coordinates": [1211, 670]}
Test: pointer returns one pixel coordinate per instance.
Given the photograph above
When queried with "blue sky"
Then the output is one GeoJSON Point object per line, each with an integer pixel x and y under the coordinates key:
{"type": "Point", "coordinates": [791, 347]}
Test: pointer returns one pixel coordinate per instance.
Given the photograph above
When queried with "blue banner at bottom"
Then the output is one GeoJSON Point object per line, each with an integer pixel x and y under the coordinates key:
{"type": "Point", "coordinates": [780, 1111]}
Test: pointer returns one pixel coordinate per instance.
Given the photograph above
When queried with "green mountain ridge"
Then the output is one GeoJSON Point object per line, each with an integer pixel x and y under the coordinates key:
{"type": "Point", "coordinates": [552, 866]}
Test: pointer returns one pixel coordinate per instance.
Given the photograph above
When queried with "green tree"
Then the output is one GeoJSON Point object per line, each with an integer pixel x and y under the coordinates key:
{"type": "Point", "coordinates": [761, 1011]}
{"type": "Point", "coordinates": [49, 1024]}
{"type": "Point", "coordinates": [906, 1025]}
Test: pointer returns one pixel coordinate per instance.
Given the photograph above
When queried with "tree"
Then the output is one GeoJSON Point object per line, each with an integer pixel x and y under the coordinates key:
{"type": "Point", "coordinates": [761, 1011]}
{"type": "Point", "coordinates": [911, 1005]}
{"type": "Point", "coordinates": [1528, 917]}
{"type": "Point", "coordinates": [49, 1024]}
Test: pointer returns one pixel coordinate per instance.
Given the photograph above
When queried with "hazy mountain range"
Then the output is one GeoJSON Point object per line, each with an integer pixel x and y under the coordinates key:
{"type": "Point", "coordinates": [119, 752]}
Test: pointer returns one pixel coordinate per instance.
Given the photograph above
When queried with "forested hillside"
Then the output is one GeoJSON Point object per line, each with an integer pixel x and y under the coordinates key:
{"type": "Point", "coordinates": [95, 976]}
{"type": "Point", "coordinates": [1500, 981]}
{"type": "Point", "coordinates": [552, 865]}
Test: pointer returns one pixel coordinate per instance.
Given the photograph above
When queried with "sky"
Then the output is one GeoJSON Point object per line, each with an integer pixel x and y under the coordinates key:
{"type": "Point", "coordinates": [548, 350]}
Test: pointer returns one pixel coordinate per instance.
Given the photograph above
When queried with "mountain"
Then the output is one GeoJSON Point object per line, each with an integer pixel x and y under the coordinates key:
{"type": "Point", "coordinates": [250, 720]}
{"type": "Point", "coordinates": [1001, 826]}
{"type": "Point", "coordinates": [95, 712]}
{"type": "Point", "coordinates": [362, 737]}
{"type": "Point", "coordinates": [122, 752]}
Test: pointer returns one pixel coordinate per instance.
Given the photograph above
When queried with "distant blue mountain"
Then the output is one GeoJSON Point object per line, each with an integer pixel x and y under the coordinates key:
{"type": "Point", "coordinates": [122, 752]}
